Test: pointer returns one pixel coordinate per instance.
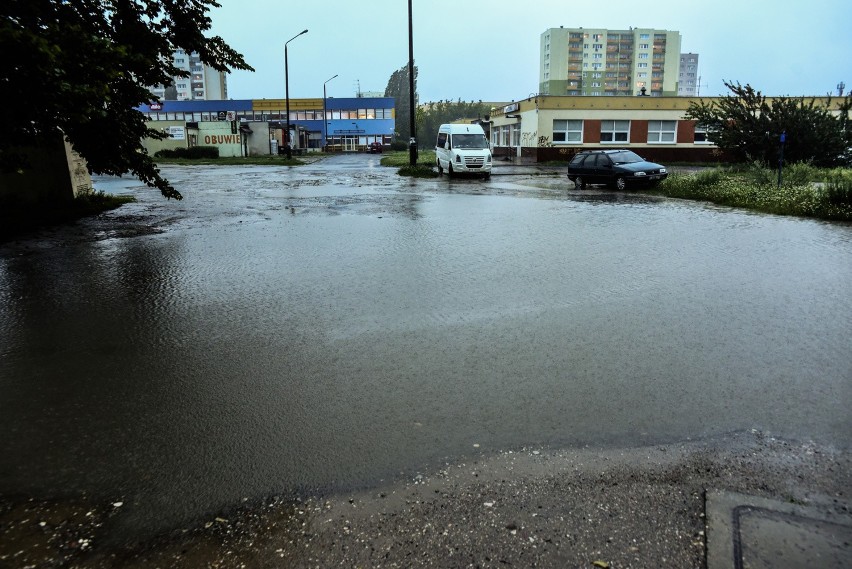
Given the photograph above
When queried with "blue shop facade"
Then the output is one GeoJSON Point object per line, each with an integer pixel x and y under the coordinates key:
{"type": "Point", "coordinates": [253, 127]}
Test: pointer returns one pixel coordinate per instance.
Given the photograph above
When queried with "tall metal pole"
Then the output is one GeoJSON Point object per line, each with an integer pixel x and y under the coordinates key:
{"type": "Point", "coordinates": [324, 117]}
{"type": "Point", "coordinates": [412, 143]}
{"type": "Point", "coordinates": [287, 94]}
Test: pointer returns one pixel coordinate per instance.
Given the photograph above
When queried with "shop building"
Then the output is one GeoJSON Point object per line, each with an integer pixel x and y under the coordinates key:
{"type": "Point", "coordinates": [255, 127]}
{"type": "Point", "coordinates": [544, 128]}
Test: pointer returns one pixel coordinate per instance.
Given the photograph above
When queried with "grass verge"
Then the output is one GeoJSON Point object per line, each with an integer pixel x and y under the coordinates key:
{"type": "Point", "coordinates": [401, 159]}
{"type": "Point", "coordinates": [804, 191]}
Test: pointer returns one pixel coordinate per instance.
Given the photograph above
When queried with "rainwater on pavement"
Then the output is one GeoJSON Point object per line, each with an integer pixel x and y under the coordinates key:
{"type": "Point", "coordinates": [334, 325]}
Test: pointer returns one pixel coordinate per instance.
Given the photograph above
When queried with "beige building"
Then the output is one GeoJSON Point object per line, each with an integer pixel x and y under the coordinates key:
{"type": "Point", "coordinates": [601, 62]}
{"type": "Point", "coordinates": [544, 128]}
{"type": "Point", "coordinates": [203, 83]}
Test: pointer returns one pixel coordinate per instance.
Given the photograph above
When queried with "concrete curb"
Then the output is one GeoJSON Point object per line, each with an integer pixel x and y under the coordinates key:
{"type": "Point", "coordinates": [748, 532]}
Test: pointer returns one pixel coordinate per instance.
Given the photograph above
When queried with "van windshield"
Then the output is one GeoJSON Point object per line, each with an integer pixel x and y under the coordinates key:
{"type": "Point", "coordinates": [469, 141]}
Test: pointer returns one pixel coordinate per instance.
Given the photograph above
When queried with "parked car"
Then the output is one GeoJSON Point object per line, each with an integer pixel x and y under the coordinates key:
{"type": "Point", "coordinates": [617, 168]}
{"type": "Point", "coordinates": [375, 147]}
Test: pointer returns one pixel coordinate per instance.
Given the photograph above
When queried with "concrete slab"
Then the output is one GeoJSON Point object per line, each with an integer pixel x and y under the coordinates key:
{"type": "Point", "coordinates": [748, 532]}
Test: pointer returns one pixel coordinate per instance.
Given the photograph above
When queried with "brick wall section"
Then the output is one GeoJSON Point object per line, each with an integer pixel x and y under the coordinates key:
{"type": "Point", "coordinates": [591, 131]}
{"type": "Point", "coordinates": [685, 131]}
{"type": "Point", "coordinates": [638, 131]}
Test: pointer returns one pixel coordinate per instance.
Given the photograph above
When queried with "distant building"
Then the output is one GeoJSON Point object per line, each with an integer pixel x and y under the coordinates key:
{"type": "Point", "coordinates": [601, 62]}
{"type": "Point", "coordinates": [203, 83]}
{"type": "Point", "coordinates": [256, 127]}
{"type": "Point", "coordinates": [687, 85]}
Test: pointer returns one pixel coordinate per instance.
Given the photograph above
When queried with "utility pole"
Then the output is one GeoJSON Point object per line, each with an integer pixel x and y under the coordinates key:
{"type": "Point", "coordinates": [412, 143]}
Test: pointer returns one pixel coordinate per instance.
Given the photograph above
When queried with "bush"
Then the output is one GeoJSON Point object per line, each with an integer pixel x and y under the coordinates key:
{"type": "Point", "coordinates": [758, 173]}
{"type": "Point", "coordinates": [799, 174]}
{"type": "Point", "coordinates": [838, 189]}
{"type": "Point", "coordinates": [756, 187]}
{"type": "Point", "coordinates": [418, 171]}
{"type": "Point", "coordinates": [193, 152]}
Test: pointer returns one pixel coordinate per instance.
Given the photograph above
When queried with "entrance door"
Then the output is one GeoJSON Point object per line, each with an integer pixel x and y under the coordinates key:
{"type": "Point", "coordinates": [350, 143]}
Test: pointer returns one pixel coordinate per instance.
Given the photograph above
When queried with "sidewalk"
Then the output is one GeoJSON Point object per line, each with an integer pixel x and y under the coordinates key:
{"type": "Point", "coordinates": [758, 533]}
{"type": "Point", "coordinates": [745, 500]}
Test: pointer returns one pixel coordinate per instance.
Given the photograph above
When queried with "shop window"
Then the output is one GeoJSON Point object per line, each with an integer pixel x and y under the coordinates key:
{"type": "Point", "coordinates": [615, 131]}
{"type": "Point", "coordinates": [568, 131]}
{"type": "Point", "coordinates": [662, 131]}
{"type": "Point", "coordinates": [700, 136]}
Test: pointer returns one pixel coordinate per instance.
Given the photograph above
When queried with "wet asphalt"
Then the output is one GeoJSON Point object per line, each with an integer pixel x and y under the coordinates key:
{"type": "Point", "coordinates": [288, 344]}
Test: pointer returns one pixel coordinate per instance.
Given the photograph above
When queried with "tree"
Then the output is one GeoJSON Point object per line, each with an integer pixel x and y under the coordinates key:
{"type": "Point", "coordinates": [750, 127]}
{"type": "Point", "coordinates": [78, 69]}
{"type": "Point", "coordinates": [433, 115]}
{"type": "Point", "coordinates": [398, 88]}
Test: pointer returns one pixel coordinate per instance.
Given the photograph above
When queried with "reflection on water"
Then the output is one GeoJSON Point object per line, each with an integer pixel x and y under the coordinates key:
{"type": "Point", "coordinates": [327, 327]}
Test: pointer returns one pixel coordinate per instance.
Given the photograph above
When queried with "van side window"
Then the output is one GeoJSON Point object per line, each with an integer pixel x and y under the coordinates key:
{"type": "Point", "coordinates": [442, 139]}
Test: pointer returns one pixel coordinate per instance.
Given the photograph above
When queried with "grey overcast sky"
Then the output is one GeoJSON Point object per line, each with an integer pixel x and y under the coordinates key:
{"type": "Point", "coordinates": [489, 49]}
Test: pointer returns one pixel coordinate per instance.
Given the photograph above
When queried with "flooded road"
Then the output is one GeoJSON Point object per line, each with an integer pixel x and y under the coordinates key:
{"type": "Point", "coordinates": [333, 325]}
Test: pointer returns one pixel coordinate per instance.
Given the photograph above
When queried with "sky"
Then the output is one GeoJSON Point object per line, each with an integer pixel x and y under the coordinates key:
{"type": "Point", "coordinates": [488, 50]}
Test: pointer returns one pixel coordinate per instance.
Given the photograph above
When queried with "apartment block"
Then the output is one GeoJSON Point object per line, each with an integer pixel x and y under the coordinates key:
{"type": "Point", "coordinates": [602, 62]}
{"type": "Point", "coordinates": [688, 79]}
{"type": "Point", "coordinates": [203, 83]}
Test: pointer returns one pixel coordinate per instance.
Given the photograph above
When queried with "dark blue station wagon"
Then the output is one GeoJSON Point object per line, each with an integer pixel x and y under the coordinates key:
{"type": "Point", "coordinates": [617, 168]}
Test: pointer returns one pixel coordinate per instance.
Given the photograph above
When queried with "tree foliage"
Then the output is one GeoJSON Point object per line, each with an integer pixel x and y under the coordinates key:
{"type": "Point", "coordinates": [748, 125]}
{"type": "Point", "coordinates": [398, 87]}
{"type": "Point", "coordinates": [78, 68]}
{"type": "Point", "coordinates": [433, 115]}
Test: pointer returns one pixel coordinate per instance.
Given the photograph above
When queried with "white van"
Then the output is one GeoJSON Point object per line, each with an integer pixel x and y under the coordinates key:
{"type": "Point", "coordinates": [463, 148]}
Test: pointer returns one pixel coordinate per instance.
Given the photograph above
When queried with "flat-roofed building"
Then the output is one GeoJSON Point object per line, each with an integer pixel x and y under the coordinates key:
{"type": "Point", "coordinates": [602, 62]}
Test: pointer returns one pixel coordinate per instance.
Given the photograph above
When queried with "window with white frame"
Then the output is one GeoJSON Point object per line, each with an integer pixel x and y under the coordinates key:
{"type": "Point", "coordinates": [567, 131]}
{"type": "Point", "coordinates": [516, 135]}
{"type": "Point", "coordinates": [662, 131]}
{"type": "Point", "coordinates": [615, 131]}
{"type": "Point", "coordinates": [700, 136]}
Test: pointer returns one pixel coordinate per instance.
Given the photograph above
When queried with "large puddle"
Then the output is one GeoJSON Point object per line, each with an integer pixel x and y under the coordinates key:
{"type": "Point", "coordinates": [333, 325]}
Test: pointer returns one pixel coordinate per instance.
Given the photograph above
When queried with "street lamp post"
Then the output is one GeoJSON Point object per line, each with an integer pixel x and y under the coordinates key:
{"type": "Point", "coordinates": [324, 117]}
{"type": "Point", "coordinates": [287, 93]}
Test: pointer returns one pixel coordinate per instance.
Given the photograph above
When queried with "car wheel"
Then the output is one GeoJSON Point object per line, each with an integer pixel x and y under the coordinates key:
{"type": "Point", "coordinates": [620, 183]}
{"type": "Point", "coordinates": [579, 183]}
{"type": "Point", "coordinates": [450, 169]}
{"type": "Point", "coordinates": [440, 170]}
